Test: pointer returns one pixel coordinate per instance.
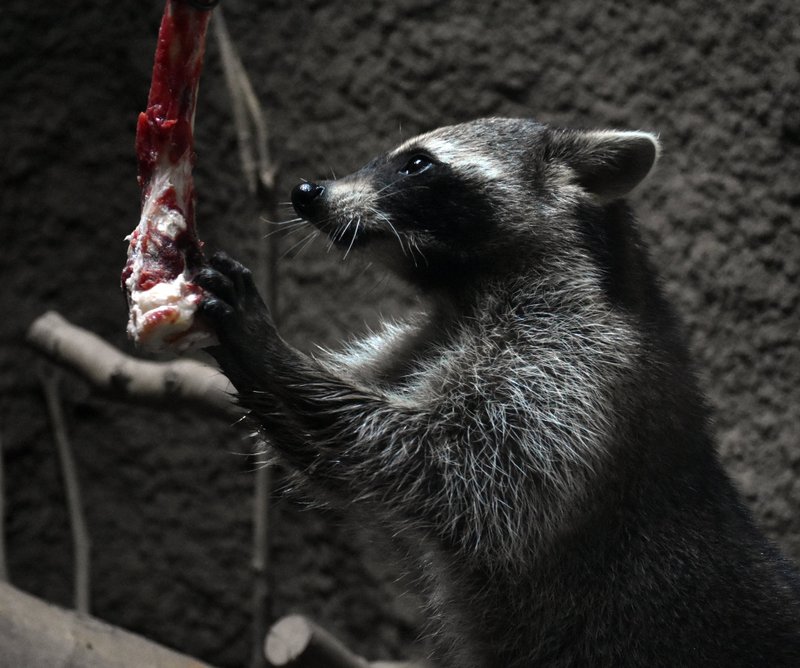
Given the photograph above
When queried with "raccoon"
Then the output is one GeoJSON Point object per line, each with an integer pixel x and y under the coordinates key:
{"type": "Point", "coordinates": [535, 434]}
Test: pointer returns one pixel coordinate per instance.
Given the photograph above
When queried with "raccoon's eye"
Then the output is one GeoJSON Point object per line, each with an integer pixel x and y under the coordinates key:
{"type": "Point", "coordinates": [417, 164]}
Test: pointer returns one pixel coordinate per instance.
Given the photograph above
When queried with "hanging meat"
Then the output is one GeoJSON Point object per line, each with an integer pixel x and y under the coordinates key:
{"type": "Point", "coordinates": [164, 251]}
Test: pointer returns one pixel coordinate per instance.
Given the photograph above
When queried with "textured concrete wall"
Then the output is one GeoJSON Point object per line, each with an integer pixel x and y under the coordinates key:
{"type": "Point", "coordinates": [168, 500]}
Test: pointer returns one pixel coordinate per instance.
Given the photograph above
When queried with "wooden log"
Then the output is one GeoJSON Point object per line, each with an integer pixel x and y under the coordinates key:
{"type": "Point", "coordinates": [35, 634]}
{"type": "Point", "coordinates": [162, 384]}
{"type": "Point", "coordinates": [297, 642]}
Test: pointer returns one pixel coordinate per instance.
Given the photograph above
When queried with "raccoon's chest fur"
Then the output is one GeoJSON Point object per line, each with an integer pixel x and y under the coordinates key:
{"type": "Point", "coordinates": [519, 405]}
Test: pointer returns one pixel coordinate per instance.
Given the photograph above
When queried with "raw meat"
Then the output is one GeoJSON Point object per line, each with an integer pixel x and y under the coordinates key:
{"type": "Point", "coordinates": [165, 252]}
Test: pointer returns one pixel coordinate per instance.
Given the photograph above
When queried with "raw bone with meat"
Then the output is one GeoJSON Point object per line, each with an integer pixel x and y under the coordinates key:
{"type": "Point", "coordinates": [165, 252]}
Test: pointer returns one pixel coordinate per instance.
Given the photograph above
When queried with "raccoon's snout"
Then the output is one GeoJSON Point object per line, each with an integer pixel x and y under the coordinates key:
{"type": "Point", "coordinates": [306, 198]}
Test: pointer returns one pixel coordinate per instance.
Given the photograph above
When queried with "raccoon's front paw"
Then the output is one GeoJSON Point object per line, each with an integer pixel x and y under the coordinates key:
{"type": "Point", "coordinates": [235, 310]}
{"type": "Point", "coordinates": [230, 287]}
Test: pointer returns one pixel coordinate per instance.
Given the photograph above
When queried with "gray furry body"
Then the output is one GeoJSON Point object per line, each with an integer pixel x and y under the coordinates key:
{"type": "Point", "coordinates": [535, 436]}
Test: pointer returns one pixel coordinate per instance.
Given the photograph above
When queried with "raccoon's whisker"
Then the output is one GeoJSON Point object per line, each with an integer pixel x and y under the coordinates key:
{"type": "Point", "coordinates": [380, 283]}
{"type": "Point", "coordinates": [364, 269]}
{"type": "Point", "coordinates": [285, 229]}
{"type": "Point", "coordinates": [412, 255]}
{"type": "Point", "coordinates": [288, 224]}
{"type": "Point", "coordinates": [264, 219]}
{"type": "Point", "coordinates": [309, 239]}
{"type": "Point", "coordinates": [388, 185]}
{"type": "Point", "coordinates": [284, 222]}
{"type": "Point", "coordinates": [324, 221]}
{"type": "Point", "coordinates": [412, 243]}
{"type": "Point", "coordinates": [339, 234]}
{"type": "Point", "coordinates": [308, 236]}
{"type": "Point", "coordinates": [353, 240]}
{"type": "Point", "coordinates": [413, 249]}
{"type": "Point", "coordinates": [382, 216]}
{"type": "Point", "coordinates": [404, 191]}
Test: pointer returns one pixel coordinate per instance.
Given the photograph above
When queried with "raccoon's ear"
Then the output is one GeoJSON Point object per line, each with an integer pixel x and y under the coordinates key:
{"type": "Point", "coordinates": [611, 163]}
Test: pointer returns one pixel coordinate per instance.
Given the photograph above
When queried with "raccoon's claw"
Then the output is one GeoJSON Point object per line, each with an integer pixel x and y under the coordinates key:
{"type": "Point", "coordinates": [232, 303]}
{"type": "Point", "coordinates": [235, 272]}
{"type": "Point", "coordinates": [218, 285]}
{"type": "Point", "coordinates": [215, 310]}
{"type": "Point", "coordinates": [229, 281]}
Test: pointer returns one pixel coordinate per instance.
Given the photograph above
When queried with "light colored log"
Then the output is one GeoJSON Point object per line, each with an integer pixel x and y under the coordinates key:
{"type": "Point", "coordinates": [35, 634]}
{"type": "Point", "coordinates": [297, 642]}
{"type": "Point", "coordinates": [162, 384]}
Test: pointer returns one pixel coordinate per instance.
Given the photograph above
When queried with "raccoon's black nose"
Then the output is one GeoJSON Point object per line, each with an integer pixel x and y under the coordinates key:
{"type": "Point", "coordinates": [305, 197]}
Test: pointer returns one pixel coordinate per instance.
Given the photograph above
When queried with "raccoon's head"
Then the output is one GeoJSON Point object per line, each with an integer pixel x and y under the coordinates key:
{"type": "Point", "coordinates": [484, 196]}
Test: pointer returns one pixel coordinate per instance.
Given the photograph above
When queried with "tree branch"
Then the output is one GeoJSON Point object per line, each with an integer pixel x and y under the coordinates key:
{"type": "Point", "coordinates": [161, 384]}
{"type": "Point", "coordinates": [35, 633]}
{"type": "Point", "coordinates": [77, 520]}
{"type": "Point", "coordinates": [297, 642]}
{"type": "Point", "coordinates": [247, 112]}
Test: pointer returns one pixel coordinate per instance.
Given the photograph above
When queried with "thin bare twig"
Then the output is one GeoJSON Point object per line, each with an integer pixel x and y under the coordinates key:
{"type": "Point", "coordinates": [259, 173]}
{"type": "Point", "coordinates": [249, 117]}
{"type": "Point", "coordinates": [80, 532]}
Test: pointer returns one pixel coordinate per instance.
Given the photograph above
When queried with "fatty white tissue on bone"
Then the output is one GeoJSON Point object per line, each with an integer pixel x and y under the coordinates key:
{"type": "Point", "coordinates": [162, 316]}
{"type": "Point", "coordinates": [161, 313]}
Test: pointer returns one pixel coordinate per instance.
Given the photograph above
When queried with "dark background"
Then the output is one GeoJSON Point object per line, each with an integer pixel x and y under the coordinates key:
{"type": "Point", "coordinates": [168, 496]}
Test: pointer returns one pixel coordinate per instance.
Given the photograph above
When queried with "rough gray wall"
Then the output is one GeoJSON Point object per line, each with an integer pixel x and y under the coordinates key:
{"type": "Point", "coordinates": [168, 498]}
